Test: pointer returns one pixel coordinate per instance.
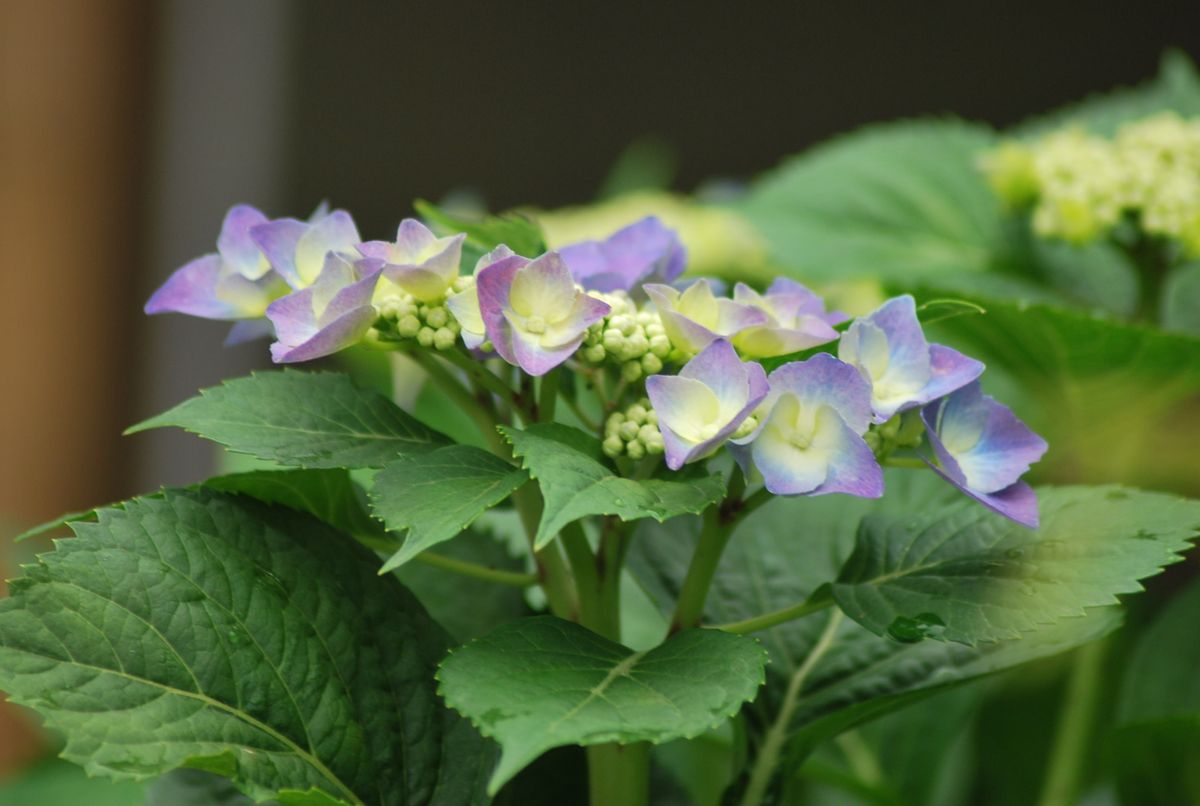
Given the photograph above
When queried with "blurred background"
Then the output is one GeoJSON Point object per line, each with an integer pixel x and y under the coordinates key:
{"type": "Point", "coordinates": [128, 127]}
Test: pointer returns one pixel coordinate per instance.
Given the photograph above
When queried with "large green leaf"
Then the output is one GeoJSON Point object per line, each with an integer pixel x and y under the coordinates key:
{"type": "Point", "coordinates": [329, 494]}
{"type": "Point", "coordinates": [962, 573]}
{"type": "Point", "coordinates": [543, 682]}
{"type": "Point", "coordinates": [574, 483]}
{"type": "Point", "coordinates": [1157, 742]}
{"type": "Point", "coordinates": [1181, 299]}
{"type": "Point", "coordinates": [1176, 87]}
{"type": "Point", "coordinates": [437, 495]}
{"type": "Point", "coordinates": [1114, 400]}
{"type": "Point", "coordinates": [309, 419]}
{"type": "Point", "coordinates": [897, 201]}
{"type": "Point", "coordinates": [779, 557]}
{"type": "Point", "coordinates": [209, 630]}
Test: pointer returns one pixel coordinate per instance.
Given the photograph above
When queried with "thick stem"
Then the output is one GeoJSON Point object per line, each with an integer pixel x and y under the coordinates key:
{"type": "Point", "coordinates": [772, 746]}
{"type": "Point", "coordinates": [553, 573]}
{"type": "Point", "coordinates": [583, 567]}
{"type": "Point", "coordinates": [713, 537]}
{"type": "Point", "coordinates": [484, 420]}
{"type": "Point", "coordinates": [488, 380]}
{"type": "Point", "coordinates": [548, 396]}
{"type": "Point", "coordinates": [619, 774]}
{"type": "Point", "coordinates": [1067, 758]}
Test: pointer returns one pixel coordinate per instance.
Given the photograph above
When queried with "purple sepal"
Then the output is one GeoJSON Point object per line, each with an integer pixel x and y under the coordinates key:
{"type": "Point", "coordinates": [694, 317]}
{"type": "Point", "coordinates": [809, 441]}
{"type": "Point", "coordinates": [248, 330]}
{"type": "Point", "coordinates": [332, 314]}
{"type": "Point", "coordinates": [297, 249]}
{"type": "Point", "coordinates": [532, 312]}
{"type": "Point", "coordinates": [418, 261]}
{"type": "Point", "coordinates": [889, 348]}
{"type": "Point", "coordinates": [702, 406]}
{"type": "Point", "coordinates": [796, 320]}
{"type": "Point", "coordinates": [983, 449]}
{"type": "Point", "coordinates": [645, 251]}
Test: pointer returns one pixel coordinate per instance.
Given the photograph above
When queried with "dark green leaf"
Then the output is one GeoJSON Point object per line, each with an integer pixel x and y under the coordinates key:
{"type": "Point", "coordinates": [1162, 679]}
{"type": "Point", "coordinates": [1095, 276]}
{"type": "Point", "coordinates": [543, 682]}
{"type": "Point", "coordinates": [897, 201]}
{"type": "Point", "coordinates": [202, 629]}
{"type": "Point", "coordinates": [574, 483]}
{"type": "Point", "coordinates": [309, 419]}
{"type": "Point", "coordinates": [437, 495]}
{"type": "Point", "coordinates": [962, 573]}
{"type": "Point", "coordinates": [1181, 299]}
{"type": "Point", "coordinates": [329, 494]}
{"type": "Point", "coordinates": [518, 233]}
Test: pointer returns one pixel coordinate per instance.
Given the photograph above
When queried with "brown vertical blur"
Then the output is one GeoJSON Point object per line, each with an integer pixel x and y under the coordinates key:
{"type": "Point", "coordinates": [72, 91]}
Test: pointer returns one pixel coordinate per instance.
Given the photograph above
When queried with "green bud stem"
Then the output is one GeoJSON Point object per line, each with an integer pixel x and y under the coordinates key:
{"type": "Point", "coordinates": [477, 571]}
{"type": "Point", "coordinates": [775, 618]}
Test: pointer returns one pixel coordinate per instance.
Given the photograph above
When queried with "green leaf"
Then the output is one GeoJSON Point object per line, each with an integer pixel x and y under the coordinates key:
{"type": "Point", "coordinates": [209, 630]}
{"type": "Point", "coordinates": [1177, 87]}
{"type": "Point", "coordinates": [309, 419]}
{"type": "Point", "coordinates": [895, 201]}
{"type": "Point", "coordinates": [1110, 397]}
{"type": "Point", "coordinates": [779, 557]}
{"type": "Point", "coordinates": [1095, 276]}
{"type": "Point", "coordinates": [1157, 738]}
{"type": "Point", "coordinates": [543, 682]}
{"type": "Point", "coordinates": [189, 787]}
{"type": "Point", "coordinates": [329, 494]}
{"type": "Point", "coordinates": [962, 573]}
{"type": "Point", "coordinates": [520, 234]}
{"type": "Point", "coordinates": [1181, 299]}
{"type": "Point", "coordinates": [574, 484]}
{"type": "Point", "coordinates": [437, 495]}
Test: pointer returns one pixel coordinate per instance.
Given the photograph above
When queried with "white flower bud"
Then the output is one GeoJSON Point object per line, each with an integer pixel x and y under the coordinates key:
{"type": "Point", "coordinates": [660, 345]}
{"type": "Point", "coordinates": [651, 364]}
{"type": "Point", "coordinates": [437, 317]}
{"type": "Point", "coordinates": [628, 430]}
{"type": "Point", "coordinates": [631, 371]}
{"type": "Point", "coordinates": [444, 338]}
{"type": "Point", "coordinates": [636, 450]}
{"type": "Point", "coordinates": [595, 353]}
{"type": "Point", "coordinates": [425, 336]}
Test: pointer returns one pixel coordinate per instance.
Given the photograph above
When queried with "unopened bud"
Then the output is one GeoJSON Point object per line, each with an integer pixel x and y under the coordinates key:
{"type": "Point", "coordinates": [613, 446]}
{"type": "Point", "coordinates": [425, 336]}
{"type": "Point", "coordinates": [636, 450]}
{"type": "Point", "coordinates": [651, 364]}
{"type": "Point", "coordinates": [437, 317]}
{"type": "Point", "coordinates": [444, 338]}
{"type": "Point", "coordinates": [631, 371]}
{"type": "Point", "coordinates": [408, 326]}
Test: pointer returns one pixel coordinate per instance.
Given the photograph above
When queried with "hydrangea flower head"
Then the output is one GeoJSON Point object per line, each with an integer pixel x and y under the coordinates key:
{"type": "Point", "coordinates": [464, 304]}
{"type": "Point", "coordinates": [296, 249]}
{"type": "Point", "coordinates": [333, 313]}
{"type": "Point", "coordinates": [236, 282]}
{"type": "Point", "coordinates": [809, 437]}
{"type": "Point", "coordinates": [532, 311]}
{"type": "Point", "coordinates": [796, 320]}
{"type": "Point", "coordinates": [695, 317]}
{"type": "Point", "coordinates": [983, 449]}
{"type": "Point", "coordinates": [419, 262]}
{"type": "Point", "coordinates": [645, 251]}
{"type": "Point", "coordinates": [890, 350]}
{"type": "Point", "coordinates": [702, 406]}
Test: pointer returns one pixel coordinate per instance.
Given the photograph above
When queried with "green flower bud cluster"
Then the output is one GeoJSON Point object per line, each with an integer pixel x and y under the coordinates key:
{"type": "Point", "coordinates": [430, 324]}
{"type": "Point", "coordinates": [633, 432]}
{"type": "Point", "coordinates": [633, 338]}
{"type": "Point", "coordinates": [904, 430]}
{"type": "Point", "coordinates": [1079, 185]}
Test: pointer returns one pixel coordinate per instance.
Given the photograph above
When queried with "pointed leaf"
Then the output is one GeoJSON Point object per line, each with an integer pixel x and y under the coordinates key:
{"type": "Point", "coordinates": [575, 484]}
{"type": "Point", "coordinates": [328, 494]}
{"type": "Point", "coordinates": [209, 630]}
{"type": "Point", "coordinates": [309, 419]}
{"type": "Point", "coordinates": [897, 201]}
{"type": "Point", "coordinates": [543, 682]}
{"type": "Point", "coordinates": [437, 495]}
{"type": "Point", "coordinates": [962, 573]}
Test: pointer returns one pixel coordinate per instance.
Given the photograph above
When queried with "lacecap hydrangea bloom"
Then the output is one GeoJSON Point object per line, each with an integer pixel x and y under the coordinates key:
{"type": "Point", "coordinates": [675, 365]}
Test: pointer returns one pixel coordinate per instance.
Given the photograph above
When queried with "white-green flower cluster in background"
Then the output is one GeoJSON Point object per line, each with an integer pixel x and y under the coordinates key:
{"type": "Point", "coordinates": [1080, 185]}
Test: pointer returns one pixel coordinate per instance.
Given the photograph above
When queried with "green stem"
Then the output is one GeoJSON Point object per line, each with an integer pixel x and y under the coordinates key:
{"type": "Point", "coordinates": [1067, 758]}
{"type": "Point", "coordinates": [587, 421]}
{"type": "Point", "coordinates": [619, 774]}
{"type": "Point", "coordinates": [477, 571]}
{"type": "Point", "coordinates": [548, 396]}
{"type": "Point", "coordinates": [484, 420]}
{"type": "Point", "coordinates": [713, 536]}
{"type": "Point", "coordinates": [553, 573]}
{"type": "Point", "coordinates": [774, 618]}
{"type": "Point", "coordinates": [905, 461]}
{"type": "Point", "coordinates": [487, 379]}
{"type": "Point", "coordinates": [583, 566]}
{"type": "Point", "coordinates": [772, 746]}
